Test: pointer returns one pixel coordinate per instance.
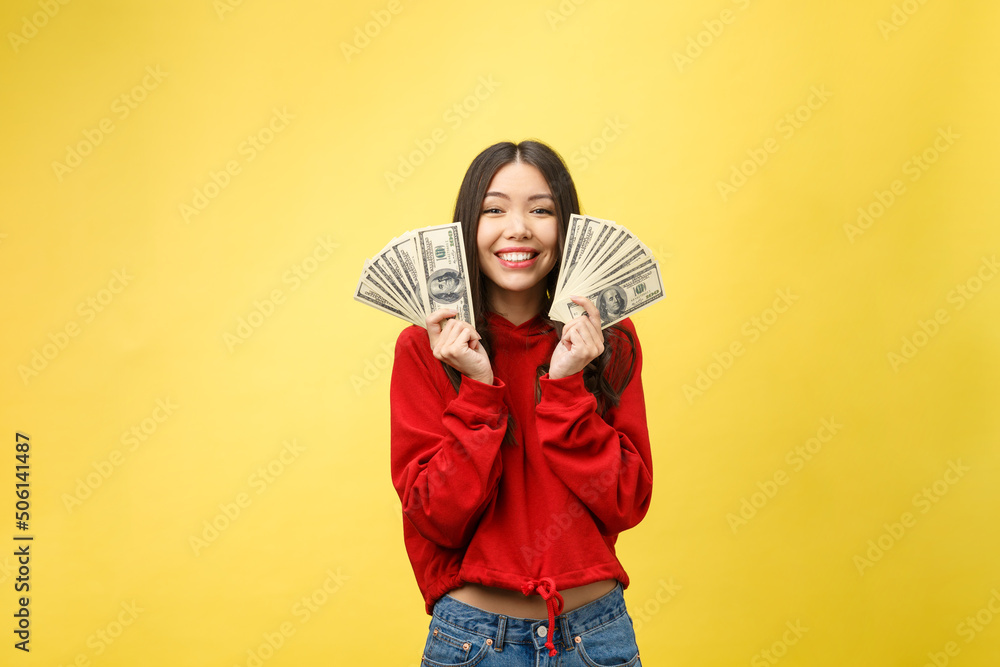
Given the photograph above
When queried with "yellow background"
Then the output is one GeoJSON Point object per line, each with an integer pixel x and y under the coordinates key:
{"type": "Point", "coordinates": [652, 105]}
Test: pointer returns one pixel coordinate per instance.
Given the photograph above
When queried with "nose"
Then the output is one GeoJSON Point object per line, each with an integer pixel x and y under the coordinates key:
{"type": "Point", "coordinates": [517, 226]}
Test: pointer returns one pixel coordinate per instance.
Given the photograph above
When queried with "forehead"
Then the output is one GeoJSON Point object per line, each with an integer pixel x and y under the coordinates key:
{"type": "Point", "coordinates": [518, 179]}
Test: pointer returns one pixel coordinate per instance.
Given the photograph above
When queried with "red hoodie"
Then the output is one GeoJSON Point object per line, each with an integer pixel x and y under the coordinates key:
{"type": "Point", "coordinates": [551, 505]}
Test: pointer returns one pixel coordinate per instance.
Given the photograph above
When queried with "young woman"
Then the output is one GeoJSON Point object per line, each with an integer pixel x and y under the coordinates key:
{"type": "Point", "coordinates": [520, 448]}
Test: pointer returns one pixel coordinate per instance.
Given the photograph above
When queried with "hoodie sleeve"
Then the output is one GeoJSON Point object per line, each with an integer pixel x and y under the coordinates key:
{"type": "Point", "coordinates": [605, 461]}
{"type": "Point", "coordinates": [445, 457]}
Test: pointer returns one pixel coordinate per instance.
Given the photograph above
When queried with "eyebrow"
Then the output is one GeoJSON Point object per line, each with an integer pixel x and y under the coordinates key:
{"type": "Point", "coordinates": [531, 198]}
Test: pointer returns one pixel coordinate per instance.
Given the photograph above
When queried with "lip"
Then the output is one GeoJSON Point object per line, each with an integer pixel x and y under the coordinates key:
{"type": "Point", "coordinates": [523, 264]}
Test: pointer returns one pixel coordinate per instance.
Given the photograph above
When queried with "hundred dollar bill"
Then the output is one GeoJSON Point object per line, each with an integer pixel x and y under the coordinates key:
{"type": "Point", "coordinates": [598, 246]}
{"type": "Point", "coordinates": [582, 241]}
{"type": "Point", "coordinates": [444, 274]}
{"type": "Point", "coordinates": [633, 292]}
{"type": "Point", "coordinates": [598, 254]}
{"type": "Point", "coordinates": [400, 258]}
{"type": "Point", "coordinates": [608, 238]}
{"type": "Point", "coordinates": [615, 252]}
{"type": "Point", "coordinates": [382, 275]}
{"type": "Point", "coordinates": [572, 250]}
{"type": "Point", "coordinates": [583, 236]}
{"type": "Point", "coordinates": [626, 262]}
{"type": "Point", "coordinates": [375, 295]}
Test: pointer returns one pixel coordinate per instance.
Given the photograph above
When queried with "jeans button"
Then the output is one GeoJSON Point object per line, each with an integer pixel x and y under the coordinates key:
{"type": "Point", "coordinates": [542, 631]}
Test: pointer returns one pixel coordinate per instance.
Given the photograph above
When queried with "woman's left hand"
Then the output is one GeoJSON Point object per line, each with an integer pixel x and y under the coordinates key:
{"type": "Point", "coordinates": [581, 342]}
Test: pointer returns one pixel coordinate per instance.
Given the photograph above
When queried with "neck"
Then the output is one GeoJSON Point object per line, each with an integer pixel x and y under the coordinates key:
{"type": "Point", "coordinates": [516, 307]}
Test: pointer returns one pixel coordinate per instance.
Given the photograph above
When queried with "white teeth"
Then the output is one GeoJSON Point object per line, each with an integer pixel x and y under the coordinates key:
{"type": "Point", "coordinates": [515, 256]}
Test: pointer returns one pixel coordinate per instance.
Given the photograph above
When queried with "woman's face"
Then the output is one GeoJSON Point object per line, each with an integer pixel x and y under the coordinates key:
{"type": "Point", "coordinates": [518, 230]}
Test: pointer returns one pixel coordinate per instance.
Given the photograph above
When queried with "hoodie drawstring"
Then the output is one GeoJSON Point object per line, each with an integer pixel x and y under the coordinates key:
{"type": "Point", "coordinates": [546, 588]}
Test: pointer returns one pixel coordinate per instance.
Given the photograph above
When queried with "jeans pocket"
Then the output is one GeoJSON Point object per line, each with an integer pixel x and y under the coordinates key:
{"type": "Point", "coordinates": [451, 646]}
{"type": "Point", "coordinates": [610, 645]}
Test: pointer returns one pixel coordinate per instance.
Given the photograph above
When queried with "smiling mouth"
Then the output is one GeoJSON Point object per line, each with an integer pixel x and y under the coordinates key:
{"type": "Point", "coordinates": [515, 257]}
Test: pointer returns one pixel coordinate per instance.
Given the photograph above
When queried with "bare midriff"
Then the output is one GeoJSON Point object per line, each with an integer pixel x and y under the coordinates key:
{"type": "Point", "coordinates": [514, 604]}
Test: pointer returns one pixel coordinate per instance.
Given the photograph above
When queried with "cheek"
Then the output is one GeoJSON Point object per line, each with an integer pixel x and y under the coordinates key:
{"type": "Point", "coordinates": [484, 238]}
{"type": "Point", "coordinates": [552, 241]}
{"type": "Point", "coordinates": [549, 235]}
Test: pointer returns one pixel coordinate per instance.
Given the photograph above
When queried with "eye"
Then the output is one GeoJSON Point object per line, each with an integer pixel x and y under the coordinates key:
{"type": "Point", "coordinates": [491, 209]}
{"type": "Point", "coordinates": [543, 211]}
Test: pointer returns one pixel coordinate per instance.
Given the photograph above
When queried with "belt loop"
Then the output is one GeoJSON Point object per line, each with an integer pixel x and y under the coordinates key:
{"type": "Point", "coordinates": [567, 638]}
{"type": "Point", "coordinates": [501, 629]}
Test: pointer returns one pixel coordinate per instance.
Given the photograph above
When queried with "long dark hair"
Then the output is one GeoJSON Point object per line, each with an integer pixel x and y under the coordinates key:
{"type": "Point", "coordinates": [608, 375]}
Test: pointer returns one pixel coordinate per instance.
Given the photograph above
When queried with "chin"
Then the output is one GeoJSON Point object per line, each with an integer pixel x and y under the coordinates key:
{"type": "Point", "coordinates": [516, 286]}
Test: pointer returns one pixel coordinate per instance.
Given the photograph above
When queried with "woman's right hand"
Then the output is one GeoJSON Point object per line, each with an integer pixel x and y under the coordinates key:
{"type": "Point", "coordinates": [456, 343]}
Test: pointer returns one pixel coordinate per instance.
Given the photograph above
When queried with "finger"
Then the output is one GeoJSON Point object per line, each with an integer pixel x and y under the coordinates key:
{"type": "Point", "coordinates": [592, 324]}
{"type": "Point", "coordinates": [433, 323]}
{"type": "Point", "coordinates": [459, 337]}
{"type": "Point", "coordinates": [441, 340]}
{"type": "Point", "coordinates": [461, 333]}
{"type": "Point", "coordinates": [572, 324]}
{"type": "Point", "coordinates": [588, 305]}
{"type": "Point", "coordinates": [576, 323]}
{"type": "Point", "coordinates": [591, 337]}
{"type": "Point", "coordinates": [572, 338]}
{"type": "Point", "coordinates": [449, 331]}
{"type": "Point", "coordinates": [434, 319]}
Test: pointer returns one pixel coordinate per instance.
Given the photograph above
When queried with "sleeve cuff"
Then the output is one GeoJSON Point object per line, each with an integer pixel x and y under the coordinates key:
{"type": "Point", "coordinates": [482, 403]}
{"type": "Point", "coordinates": [564, 391]}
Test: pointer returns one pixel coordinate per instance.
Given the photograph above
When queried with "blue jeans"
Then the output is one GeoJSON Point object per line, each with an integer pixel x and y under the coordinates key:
{"type": "Point", "coordinates": [598, 634]}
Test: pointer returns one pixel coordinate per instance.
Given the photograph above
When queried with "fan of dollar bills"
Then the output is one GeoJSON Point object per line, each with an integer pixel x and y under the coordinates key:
{"type": "Point", "coordinates": [417, 273]}
{"type": "Point", "coordinates": [606, 263]}
{"type": "Point", "coordinates": [423, 270]}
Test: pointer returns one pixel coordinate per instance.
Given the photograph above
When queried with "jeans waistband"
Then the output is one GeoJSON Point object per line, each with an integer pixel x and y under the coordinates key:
{"type": "Point", "coordinates": [512, 630]}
